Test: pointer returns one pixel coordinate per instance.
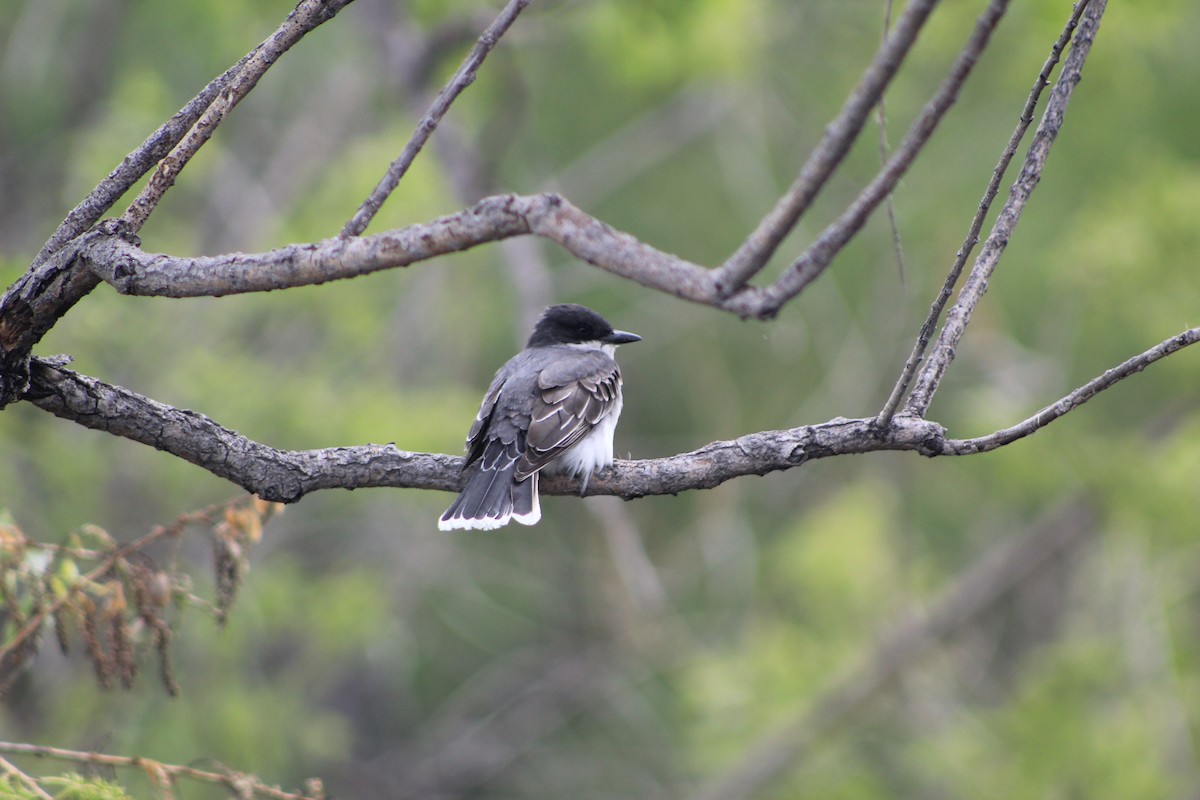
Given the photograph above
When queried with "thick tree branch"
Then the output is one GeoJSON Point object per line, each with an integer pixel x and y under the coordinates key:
{"type": "Point", "coordinates": [1006, 221]}
{"type": "Point", "coordinates": [277, 475]}
{"type": "Point", "coordinates": [463, 78]}
{"type": "Point", "coordinates": [288, 475]}
{"type": "Point", "coordinates": [839, 136]}
{"type": "Point", "coordinates": [36, 301]}
{"type": "Point", "coordinates": [133, 271]}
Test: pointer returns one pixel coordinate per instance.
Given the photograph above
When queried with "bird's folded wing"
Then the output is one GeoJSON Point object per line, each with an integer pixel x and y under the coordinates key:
{"type": "Point", "coordinates": [476, 440]}
{"type": "Point", "coordinates": [571, 399]}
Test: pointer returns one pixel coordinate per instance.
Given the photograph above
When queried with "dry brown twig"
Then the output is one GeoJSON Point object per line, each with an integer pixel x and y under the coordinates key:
{"type": "Point", "coordinates": [164, 775]}
{"type": "Point", "coordinates": [123, 588]}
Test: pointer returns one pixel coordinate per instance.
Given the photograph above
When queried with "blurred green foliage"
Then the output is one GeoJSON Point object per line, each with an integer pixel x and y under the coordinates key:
{"type": "Point", "coordinates": [631, 650]}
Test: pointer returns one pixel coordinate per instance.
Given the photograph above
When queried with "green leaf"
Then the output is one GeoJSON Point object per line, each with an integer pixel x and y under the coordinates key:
{"type": "Point", "coordinates": [76, 787]}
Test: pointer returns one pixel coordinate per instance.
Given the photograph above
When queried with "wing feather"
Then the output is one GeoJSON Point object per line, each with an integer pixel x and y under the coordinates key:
{"type": "Point", "coordinates": [567, 405]}
{"type": "Point", "coordinates": [476, 440]}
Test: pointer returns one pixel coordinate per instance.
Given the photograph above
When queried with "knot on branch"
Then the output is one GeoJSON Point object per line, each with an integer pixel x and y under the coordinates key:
{"type": "Point", "coordinates": [121, 229]}
{"type": "Point", "coordinates": [929, 437]}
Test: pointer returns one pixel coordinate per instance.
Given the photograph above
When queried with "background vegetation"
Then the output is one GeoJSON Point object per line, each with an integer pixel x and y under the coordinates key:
{"type": "Point", "coordinates": [648, 648]}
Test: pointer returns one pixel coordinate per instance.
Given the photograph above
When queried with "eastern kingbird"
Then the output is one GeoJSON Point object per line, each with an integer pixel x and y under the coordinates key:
{"type": "Point", "coordinates": [552, 407]}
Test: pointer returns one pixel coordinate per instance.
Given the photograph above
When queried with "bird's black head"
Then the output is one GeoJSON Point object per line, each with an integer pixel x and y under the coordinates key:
{"type": "Point", "coordinates": [573, 324]}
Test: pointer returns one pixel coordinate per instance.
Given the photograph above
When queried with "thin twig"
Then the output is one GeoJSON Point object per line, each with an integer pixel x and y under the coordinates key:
{"type": "Point", "coordinates": [884, 150]}
{"type": "Point", "coordinates": [462, 159]}
{"type": "Point", "coordinates": [236, 781]}
{"type": "Point", "coordinates": [1070, 402]}
{"type": "Point", "coordinates": [817, 258]}
{"type": "Point", "coordinates": [304, 18]}
{"type": "Point", "coordinates": [110, 560]}
{"type": "Point", "coordinates": [134, 166]}
{"type": "Point", "coordinates": [1010, 213]}
{"type": "Point", "coordinates": [463, 78]}
{"type": "Point", "coordinates": [839, 135]}
{"type": "Point", "coordinates": [78, 553]}
{"type": "Point", "coordinates": [9, 769]}
{"type": "Point", "coordinates": [960, 258]}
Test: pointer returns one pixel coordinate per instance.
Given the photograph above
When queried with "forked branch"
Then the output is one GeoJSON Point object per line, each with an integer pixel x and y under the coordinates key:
{"type": "Point", "coordinates": [972, 238]}
{"type": "Point", "coordinates": [839, 136]}
{"type": "Point", "coordinates": [463, 78]}
{"type": "Point", "coordinates": [1010, 214]}
{"type": "Point", "coordinates": [112, 253]}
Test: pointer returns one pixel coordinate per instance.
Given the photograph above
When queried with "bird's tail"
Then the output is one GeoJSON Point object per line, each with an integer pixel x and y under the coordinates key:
{"type": "Point", "coordinates": [491, 498]}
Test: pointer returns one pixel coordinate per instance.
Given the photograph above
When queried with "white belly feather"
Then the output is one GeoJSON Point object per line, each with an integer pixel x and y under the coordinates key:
{"type": "Point", "coordinates": [592, 451]}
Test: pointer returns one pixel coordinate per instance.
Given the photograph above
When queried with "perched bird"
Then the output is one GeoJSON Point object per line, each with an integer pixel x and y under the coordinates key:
{"type": "Point", "coordinates": [553, 407]}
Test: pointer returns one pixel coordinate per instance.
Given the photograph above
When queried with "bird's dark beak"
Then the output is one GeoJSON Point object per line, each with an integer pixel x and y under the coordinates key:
{"type": "Point", "coordinates": [621, 337]}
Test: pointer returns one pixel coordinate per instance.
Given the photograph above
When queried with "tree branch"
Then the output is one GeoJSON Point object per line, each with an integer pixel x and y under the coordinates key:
{"type": "Point", "coordinates": [463, 78]}
{"type": "Point", "coordinates": [112, 253]}
{"type": "Point", "coordinates": [240, 784]}
{"type": "Point", "coordinates": [989, 194]}
{"type": "Point", "coordinates": [1006, 221]}
{"type": "Point", "coordinates": [287, 475]}
{"type": "Point", "coordinates": [817, 258]}
{"type": "Point", "coordinates": [277, 475]}
{"type": "Point", "coordinates": [132, 271]}
{"type": "Point", "coordinates": [7, 768]}
{"type": "Point", "coordinates": [40, 297]}
{"type": "Point", "coordinates": [36, 301]}
{"type": "Point", "coordinates": [307, 15]}
{"type": "Point", "coordinates": [134, 166]}
{"type": "Point", "coordinates": [983, 444]}
{"type": "Point", "coordinates": [839, 135]}
{"type": "Point", "coordinates": [49, 288]}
